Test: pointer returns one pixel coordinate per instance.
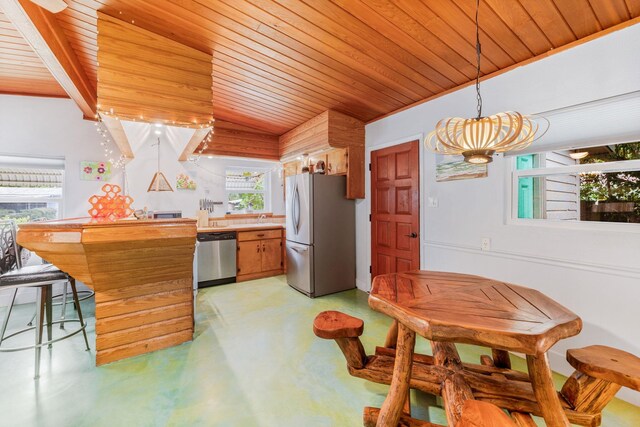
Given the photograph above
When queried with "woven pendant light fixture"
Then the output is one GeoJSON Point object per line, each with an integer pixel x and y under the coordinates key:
{"type": "Point", "coordinates": [479, 138]}
{"type": "Point", "coordinates": [159, 182]}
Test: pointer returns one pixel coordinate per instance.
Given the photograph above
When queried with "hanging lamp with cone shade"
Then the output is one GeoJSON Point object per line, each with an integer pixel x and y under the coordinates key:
{"type": "Point", "coordinates": [479, 138]}
{"type": "Point", "coordinates": [159, 181]}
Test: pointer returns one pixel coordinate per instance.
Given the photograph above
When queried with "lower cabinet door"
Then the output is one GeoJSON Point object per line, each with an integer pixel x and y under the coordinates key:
{"type": "Point", "coordinates": [271, 254]}
{"type": "Point", "coordinates": [249, 257]}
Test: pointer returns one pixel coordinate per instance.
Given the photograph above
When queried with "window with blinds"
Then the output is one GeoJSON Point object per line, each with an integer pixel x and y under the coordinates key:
{"type": "Point", "coordinates": [31, 189]}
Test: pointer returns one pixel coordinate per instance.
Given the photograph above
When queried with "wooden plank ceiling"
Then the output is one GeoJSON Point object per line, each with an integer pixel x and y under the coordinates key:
{"type": "Point", "coordinates": [278, 63]}
{"type": "Point", "coordinates": [21, 70]}
{"type": "Point", "coordinates": [144, 76]}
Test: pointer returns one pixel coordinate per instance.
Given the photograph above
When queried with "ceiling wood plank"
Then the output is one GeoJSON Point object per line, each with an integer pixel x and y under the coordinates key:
{"type": "Point", "coordinates": [517, 18]}
{"type": "Point", "coordinates": [229, 139]}
{"type": "Point", "coordinates": [148, 95]}
{"type": "Point", "coordinates": [610, 12]}
{"type": "Point", "coordinates": [240, 40]}
{"type": "Point", "coordinates": [550, 21]}
{"type": "Point", "coordinates": [579, 15]}
{"type": "Point", "coordinates": [42, 31]}
{"type": "Point", "coordinates": [329, 26]}
{"type": "Point", "coordinates": [278, 63]}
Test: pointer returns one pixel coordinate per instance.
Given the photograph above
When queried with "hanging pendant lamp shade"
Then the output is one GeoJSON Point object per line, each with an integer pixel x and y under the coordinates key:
{"type": "Point", "coordinates": [159, 182]}
{"type": "Point", "coordinates": [479, 138]}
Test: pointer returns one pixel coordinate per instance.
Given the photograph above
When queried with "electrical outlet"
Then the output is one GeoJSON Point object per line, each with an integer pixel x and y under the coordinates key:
{"type": "Point", "coordinates": [485, 245]}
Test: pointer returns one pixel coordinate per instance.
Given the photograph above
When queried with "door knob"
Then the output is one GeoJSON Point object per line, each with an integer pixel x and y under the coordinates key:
{"type": "Point", "coordinates": [412, 235]}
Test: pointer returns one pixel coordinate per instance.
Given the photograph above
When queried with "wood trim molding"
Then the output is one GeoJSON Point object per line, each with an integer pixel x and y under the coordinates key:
{"type": "Point", "coordinates": [193, 143]}
{"type": "Point", "coordinates": [114, 126]}
{"type": "Point", "coordinates": [609, 269]}
{"type": "Point", "coordinates": [42, 31]}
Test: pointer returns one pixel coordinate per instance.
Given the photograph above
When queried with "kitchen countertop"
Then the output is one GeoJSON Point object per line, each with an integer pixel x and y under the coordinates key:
{"type": "Point", "coordinates": [242, 227]}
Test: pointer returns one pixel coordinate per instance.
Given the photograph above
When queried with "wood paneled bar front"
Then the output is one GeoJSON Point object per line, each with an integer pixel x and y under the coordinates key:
{"type": "Point", "coordinates": [141, 272]}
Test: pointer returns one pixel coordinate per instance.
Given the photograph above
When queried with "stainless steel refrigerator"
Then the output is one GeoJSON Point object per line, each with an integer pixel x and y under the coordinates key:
{"type": "Point", "coordinates": [321, 241]}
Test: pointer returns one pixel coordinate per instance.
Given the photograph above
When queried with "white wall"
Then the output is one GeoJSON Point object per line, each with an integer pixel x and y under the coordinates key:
{"type": "Point", "coordinates": [594, 273]}
{"type": "Point", "coordinates": [52, 127]}
{"type": "Point", "coordinates": [207, 173]}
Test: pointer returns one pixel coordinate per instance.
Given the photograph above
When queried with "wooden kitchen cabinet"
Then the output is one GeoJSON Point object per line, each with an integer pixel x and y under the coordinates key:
{"type": "Point", "coordinates": [333, 135]}
{"type": "Point", "coordinates": [249, 257]}
{"type": "Point", "coordinates": [272, 254]}
{"type": "Point", "coordinates": [260, 254]}
{"type": "Point", "coordinates": [337, 161]}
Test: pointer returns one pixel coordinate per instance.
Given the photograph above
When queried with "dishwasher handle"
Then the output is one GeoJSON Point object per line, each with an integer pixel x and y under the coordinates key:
{"type": "Point", "coordinates": [215, 236]}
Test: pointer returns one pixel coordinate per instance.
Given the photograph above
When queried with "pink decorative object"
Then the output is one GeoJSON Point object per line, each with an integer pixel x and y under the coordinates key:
{"type": "Point", "coordinates": [110, 206]}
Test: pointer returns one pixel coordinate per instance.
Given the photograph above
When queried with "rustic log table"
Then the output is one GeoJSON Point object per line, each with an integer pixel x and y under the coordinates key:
{"type": "Point", "coordinates": [449, 308]}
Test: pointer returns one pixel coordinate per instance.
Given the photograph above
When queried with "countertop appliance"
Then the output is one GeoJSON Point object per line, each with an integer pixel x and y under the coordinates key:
{"type": "Point", "coordinates": [321, 241]}
{"type": "Point", "coordinates": [166, 214]}
{"type": "Point", "coordinates": [216, 258]}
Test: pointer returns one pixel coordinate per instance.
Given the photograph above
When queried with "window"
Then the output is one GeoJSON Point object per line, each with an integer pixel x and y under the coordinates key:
{"type": "Point", "coordinates": [29, 191]}
{"type": "Point", "coordinates": [247, 190]}
{"type": "Point", "coordinates": [594, 184]}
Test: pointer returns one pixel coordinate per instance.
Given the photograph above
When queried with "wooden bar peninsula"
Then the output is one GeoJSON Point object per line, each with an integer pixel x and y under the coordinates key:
{"type": "Point", "coordinates": [141, 272]}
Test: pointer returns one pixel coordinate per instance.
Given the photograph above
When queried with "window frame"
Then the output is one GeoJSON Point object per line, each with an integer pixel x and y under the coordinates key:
{"type": "Point", "coordinates": [266, 192]}
{"type": "Point", "coordinates": [512, 178]}
{"type": "Point", "coordinates": [60, 200]}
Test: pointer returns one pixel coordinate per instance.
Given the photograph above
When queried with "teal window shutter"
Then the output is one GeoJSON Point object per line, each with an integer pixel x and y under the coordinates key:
{"type": "Point", "coordinates": [525, 187]}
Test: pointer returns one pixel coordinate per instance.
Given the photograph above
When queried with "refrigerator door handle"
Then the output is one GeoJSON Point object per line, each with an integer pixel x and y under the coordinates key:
{"type": "Point", "coordinates": [299, 250]}
{"type": "Point", "coordinates": [296, 209]}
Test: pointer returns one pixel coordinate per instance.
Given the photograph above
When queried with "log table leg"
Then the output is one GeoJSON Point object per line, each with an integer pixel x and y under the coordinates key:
{"type": "Point", "coordinates": [545, 391]}
{"type": "Point", "coordinates": [392, 335]}
{"type": "Point", "coordinates": [399, 389]}
{"type": "Point", "coordinates": [455, 390]}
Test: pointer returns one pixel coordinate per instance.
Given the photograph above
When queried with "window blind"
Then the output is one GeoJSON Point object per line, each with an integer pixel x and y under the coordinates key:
{"type": "Point", "coordinates": [27, 177]}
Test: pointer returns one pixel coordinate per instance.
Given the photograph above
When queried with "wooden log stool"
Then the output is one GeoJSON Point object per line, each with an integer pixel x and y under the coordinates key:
{"type": "Point", "coordinates": [600, 372]}
{"type": "Point", "coordinates": [346, 330]}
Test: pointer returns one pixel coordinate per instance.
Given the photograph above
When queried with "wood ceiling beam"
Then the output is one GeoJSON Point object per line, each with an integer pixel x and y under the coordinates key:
{"type": "Point", "coordinates": [193, 143]}
{"type": "Point", "coordinates": [114, 126]}
{"type": "Point", "coordinates": [42, 31]}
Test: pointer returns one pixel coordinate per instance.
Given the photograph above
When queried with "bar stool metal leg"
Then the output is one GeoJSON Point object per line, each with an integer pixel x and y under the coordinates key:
{"type": "Point", "coordinates": [41, 297]}
{"type": "Point", "coordinates": [72, 282]}
{"type": "Point", "coordinates": [64, 303]}
{"type": "Point", "coordinates": [6, 316]}
{"type": "Point", "coordinates": [49, 313]}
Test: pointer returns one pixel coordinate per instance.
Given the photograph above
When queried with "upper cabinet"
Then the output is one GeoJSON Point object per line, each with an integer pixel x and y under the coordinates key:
{"type": "Point", "coordinates": [333, 137]}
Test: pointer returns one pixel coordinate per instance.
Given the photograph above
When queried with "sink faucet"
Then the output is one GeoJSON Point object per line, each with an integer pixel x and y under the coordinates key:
{"type": "Point", "coordinates": [261, 217]}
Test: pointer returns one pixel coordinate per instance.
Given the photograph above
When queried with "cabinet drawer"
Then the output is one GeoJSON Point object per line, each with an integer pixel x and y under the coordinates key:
{"type": "Point", "coordinates": [259, 235]}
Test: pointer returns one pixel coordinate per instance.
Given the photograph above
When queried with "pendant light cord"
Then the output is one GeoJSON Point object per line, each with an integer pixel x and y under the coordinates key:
{"type": "Point", "coordinates": [478, 54]}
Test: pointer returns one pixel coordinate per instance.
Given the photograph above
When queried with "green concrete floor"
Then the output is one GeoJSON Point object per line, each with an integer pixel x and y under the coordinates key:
{"type": "Point", "coordinates": [254, 361]}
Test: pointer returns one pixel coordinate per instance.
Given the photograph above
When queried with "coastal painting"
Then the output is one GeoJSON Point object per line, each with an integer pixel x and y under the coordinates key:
{"type": "Point", "coordinates": [454, 168]}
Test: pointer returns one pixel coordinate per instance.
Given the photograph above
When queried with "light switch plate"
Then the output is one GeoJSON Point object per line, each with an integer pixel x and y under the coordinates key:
{"type": "Point", "coordinates": [485, 244]}
{"type": "Point", "coordinates": [432, 202]}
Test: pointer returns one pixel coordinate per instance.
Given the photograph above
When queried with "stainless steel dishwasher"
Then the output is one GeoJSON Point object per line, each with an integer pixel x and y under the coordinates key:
{"type": "Point", "coordinates": [216, 258]}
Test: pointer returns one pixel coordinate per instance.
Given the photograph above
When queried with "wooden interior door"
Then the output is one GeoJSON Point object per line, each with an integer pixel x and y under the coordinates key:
{"type": "Point", "coordinates": [395, 209]}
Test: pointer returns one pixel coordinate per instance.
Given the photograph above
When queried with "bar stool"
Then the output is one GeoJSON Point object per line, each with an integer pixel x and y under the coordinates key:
{"type": "Point", "coordinates": [42, 277]}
